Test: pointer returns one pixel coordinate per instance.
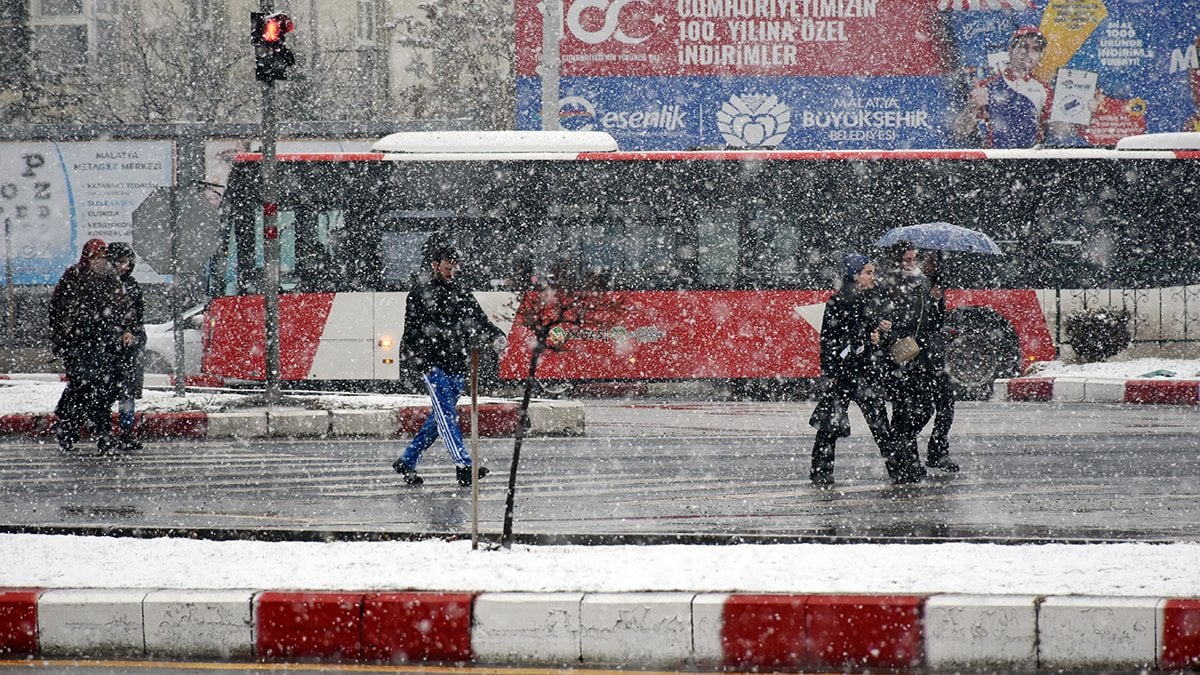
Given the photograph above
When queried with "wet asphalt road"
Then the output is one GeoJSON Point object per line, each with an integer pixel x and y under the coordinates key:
{"type": "Point", "coordinates": [649, 472]}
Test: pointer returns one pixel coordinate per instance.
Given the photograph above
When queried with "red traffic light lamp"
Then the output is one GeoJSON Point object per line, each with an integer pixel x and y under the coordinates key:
{"type": "Point", "coordinates": [271, 57]}
{"type": "Point", "coordinates": [276, 27]}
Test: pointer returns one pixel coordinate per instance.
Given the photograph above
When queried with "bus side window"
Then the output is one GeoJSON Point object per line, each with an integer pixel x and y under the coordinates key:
{"type": "Point", "coordinates": [718, 247]}
{"type": "Point", "coordinates": [400, 257]}
{"type": "Point", "coordinates": [288, 280]}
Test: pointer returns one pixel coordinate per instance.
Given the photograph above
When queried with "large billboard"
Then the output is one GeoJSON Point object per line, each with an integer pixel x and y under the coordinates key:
{"type": "Point", "coordinates": [846, 74]}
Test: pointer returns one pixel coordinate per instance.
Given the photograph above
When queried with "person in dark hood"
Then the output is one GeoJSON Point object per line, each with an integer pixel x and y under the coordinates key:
{"type": "Point", "coordinates": [938, 453]}
{"type": "Point", "coordinates": [131, 371]}
{"type": "Point", "coordinates": [852, 340]}
{"type": "Point", "coordinates": [442, 322]}
{"type": "Point", "coordinates": [88, 314]}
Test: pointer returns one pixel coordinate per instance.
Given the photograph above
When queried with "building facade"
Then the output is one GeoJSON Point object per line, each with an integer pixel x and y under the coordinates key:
{"type": "Point", "coordinates": [131, 61]}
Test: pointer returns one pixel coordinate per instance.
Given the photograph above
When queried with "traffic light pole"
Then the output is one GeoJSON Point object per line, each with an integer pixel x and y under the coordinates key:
{"type": "Point", "coordinates": [270, 198]}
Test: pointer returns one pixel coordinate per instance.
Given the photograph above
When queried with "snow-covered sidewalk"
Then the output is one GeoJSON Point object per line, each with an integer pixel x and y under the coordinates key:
{"type": "Point", "coordinates": [751, 607]}
{"type": "Point", "coordinates": [27, 403]}
{"type": "Point", "coordinates": [1142, 381]}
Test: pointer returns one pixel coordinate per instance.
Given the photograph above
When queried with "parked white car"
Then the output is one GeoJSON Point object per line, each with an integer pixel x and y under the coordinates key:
{"type": "Point", "coordinates": [160, 343]}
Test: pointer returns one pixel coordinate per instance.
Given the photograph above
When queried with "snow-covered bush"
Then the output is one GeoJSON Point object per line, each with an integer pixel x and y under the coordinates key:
{"type": "Point", "coordinates": [1097, 334]}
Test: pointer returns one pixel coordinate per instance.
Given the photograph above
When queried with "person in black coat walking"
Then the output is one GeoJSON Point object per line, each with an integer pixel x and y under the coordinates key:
{"type": "Point", "coordinates": [130, 367]}
{"type": "Point", "coordinates": [915, 300]}
{"type": "Point", "coordinates": [852, 338]}
{"type": "Point", "coordinates": [938, 454]}
{"type": "Point", "coordinates": [88, 314]}
{"type": "Point", "coordinates": [442, 322]}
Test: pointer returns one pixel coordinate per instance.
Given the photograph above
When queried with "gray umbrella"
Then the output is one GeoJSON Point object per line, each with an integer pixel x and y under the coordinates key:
{"type": "Point", "coordinates": [941, 237]}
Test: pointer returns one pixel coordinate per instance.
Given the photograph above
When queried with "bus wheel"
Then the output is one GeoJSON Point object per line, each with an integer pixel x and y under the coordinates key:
{"type": "Point", "coordinates": [553, 388]}
{"type": "Point", "coordinates": [981, 347]}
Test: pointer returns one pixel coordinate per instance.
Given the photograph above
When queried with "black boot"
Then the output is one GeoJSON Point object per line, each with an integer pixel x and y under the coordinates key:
{"type": "Point", "coordinates": [823, 451]}
{"type": "Point", "coordinates": [127, 442]}
{"type": "Point", "coordinates": [107, 444]}
{"type": "Point", "coordinates": [944, 463]}
{"type": "Point", "coordinates": [66, 441]}
{"type": "Point", "coordinates": [409, 473]}
{"type": "Point", "coordinates": [463, 473]}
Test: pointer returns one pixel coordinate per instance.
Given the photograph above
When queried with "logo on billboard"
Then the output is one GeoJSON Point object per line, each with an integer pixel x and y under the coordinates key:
{"type": "Point", "coordinates": [754, 121]}
{"type": "Point", "coordinates": [611, 28]}
{"type": "Point", "coordinates": [576, 113]}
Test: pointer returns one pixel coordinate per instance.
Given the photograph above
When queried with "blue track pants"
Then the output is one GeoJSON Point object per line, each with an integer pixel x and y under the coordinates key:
{"type": "Point", "coordinates": [444, 392]}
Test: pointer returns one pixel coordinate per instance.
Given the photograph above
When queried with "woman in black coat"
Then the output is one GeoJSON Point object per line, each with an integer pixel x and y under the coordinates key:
{"type": "Point", "coordinates": [920, 386]}
{"type": "Point", "coordinates": [852, 335]}
{"type": "Point", "coordinates": [131, 367]}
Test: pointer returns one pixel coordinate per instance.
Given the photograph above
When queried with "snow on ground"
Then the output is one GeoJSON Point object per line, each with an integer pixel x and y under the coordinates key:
{"type": "Point", "coordinates": [1155, 570]}
{"type": "Point", "coordinates": [1132, 369]}
{"type": "Point", "coordinates": [1130, 570]}
{"type": "Point", "coordinates": [25, 396]}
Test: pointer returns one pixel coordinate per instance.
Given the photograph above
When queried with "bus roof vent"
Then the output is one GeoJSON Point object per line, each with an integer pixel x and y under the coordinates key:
{"type": "Point", "coordinates": [495, 142]}
{"type": "Point", "coordinates": [1179, 140]}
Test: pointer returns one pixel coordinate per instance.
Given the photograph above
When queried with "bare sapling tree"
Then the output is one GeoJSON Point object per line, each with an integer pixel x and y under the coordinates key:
{"type": "Point", "coordinates": [554, 314]}
{"type": "Point", "coordinates": [461, 55]}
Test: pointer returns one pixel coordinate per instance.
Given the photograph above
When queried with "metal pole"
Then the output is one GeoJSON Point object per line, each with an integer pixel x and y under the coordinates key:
{"type": "Point", "coordinates": [176, 295]}
{"type": "Point", "coordinates": [270, 198]}
{"type": "Point", "coordinates": [10, 308]}
{"type": "Point", "coordinates": [474, 448]}
{"type": "Point", "coordinates": [552, 21]}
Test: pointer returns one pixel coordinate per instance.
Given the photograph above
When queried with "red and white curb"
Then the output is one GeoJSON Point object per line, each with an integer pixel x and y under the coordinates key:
{"type": "Point", "coordinates": [664, 630]}
{"type": "Point", "coordinates": [546, 418]}
{"type": "Point", "coordinates": [1098, 390]}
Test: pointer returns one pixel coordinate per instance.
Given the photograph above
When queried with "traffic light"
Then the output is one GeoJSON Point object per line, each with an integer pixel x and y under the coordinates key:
{"type": "Point", "coordinates": [271, 57]}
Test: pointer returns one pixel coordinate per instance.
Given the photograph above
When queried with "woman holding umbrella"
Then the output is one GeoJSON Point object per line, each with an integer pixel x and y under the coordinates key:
{"type": "Point", "coordinates": [918, 381]}
{"type": "Point", "coordinates": [851, 342]}
{"type": "Point", "coordinates": [934, 387]}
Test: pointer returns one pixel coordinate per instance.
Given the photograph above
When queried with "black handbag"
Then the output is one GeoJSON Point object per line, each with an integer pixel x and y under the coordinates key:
{"type": "Point", "coordinates": [830, 416]}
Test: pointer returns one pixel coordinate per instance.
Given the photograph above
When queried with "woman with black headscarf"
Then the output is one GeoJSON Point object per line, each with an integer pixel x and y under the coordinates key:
{"type": "Point", "coordinates": [88, 312]}
{"type": "Point", "coordinates": [852, 337]}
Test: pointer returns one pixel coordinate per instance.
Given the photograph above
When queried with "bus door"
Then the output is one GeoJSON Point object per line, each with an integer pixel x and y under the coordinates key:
{"type": "Point", "coordinates": [402, 234]}
{"type": "Point", "coordinates": [319, 271]}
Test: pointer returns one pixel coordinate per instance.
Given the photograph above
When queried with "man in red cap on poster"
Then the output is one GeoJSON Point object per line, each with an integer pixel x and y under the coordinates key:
{"type": "Point", "coordinates": [1193, 122]}
{"type": "Point", "coordinates": [1013, 106]}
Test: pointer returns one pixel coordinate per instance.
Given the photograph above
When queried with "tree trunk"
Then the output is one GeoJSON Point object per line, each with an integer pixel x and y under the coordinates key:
{"type": "Point", "coordinates": [507, 535]}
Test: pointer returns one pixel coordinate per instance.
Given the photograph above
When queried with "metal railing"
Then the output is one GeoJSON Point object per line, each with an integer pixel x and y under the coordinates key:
{"type": "Point", "coordinates": [1169, 315]}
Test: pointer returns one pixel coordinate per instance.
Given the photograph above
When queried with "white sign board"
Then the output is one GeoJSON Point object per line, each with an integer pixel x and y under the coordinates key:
{"type": "Point", "coordinates": [1073, 94]}
{"type": "Point", "coordinates": [56, 196]}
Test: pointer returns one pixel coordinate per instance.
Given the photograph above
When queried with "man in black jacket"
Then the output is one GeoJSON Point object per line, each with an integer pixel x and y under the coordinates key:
{"type": "Point", "coordinates": [442, 322]}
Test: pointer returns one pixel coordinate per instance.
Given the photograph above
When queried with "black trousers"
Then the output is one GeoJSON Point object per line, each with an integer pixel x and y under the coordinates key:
{"type": "Point", "coordinates": [913, 405]}
{"type": "Point", "coordinates": [943, 406]}
{"type": "Point", "coordinates": [874, 410]}
{"type": "Point", "coordinates": [90, 392]}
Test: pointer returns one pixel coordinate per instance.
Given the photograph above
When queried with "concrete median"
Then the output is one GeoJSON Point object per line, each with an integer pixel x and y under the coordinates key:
{"type": "Point", "coordinates": [615, 630]}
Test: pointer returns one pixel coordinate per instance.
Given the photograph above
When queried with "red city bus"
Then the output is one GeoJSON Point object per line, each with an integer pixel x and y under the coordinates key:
{"type": "Point", "coordinates": [721, 260]}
